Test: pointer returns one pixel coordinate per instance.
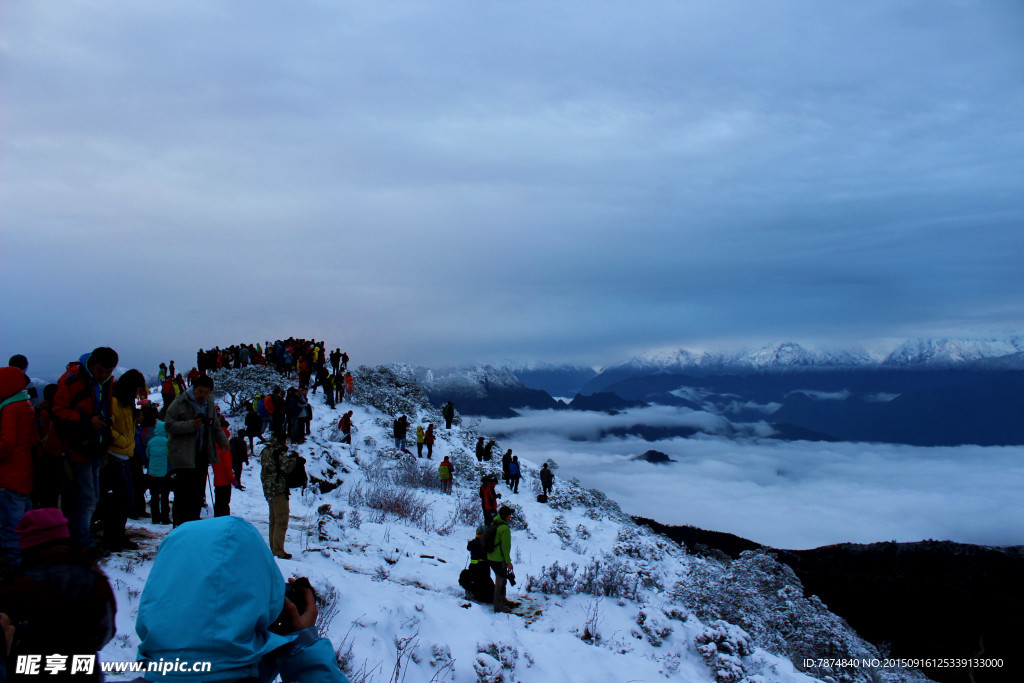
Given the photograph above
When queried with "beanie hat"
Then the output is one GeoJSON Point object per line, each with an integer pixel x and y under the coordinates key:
{"type": "Point", "coordinates": [40, 526]}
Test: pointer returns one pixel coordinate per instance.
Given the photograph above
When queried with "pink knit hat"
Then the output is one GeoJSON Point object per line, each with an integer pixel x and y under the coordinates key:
{"type": "Point", "coordinates": [40, 526]}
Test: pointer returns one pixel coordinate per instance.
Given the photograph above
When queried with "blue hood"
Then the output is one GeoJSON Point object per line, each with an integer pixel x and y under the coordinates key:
{"type": "Point", "coordinates": [212, 594]}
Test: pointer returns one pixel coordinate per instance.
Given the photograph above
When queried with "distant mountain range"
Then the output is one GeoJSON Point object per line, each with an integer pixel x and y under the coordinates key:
{"type": "Point", "coordinates": [921, 392]}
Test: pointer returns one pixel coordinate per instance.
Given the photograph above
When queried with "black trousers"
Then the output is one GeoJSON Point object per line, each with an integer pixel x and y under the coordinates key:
{"type": "Point", "coordinates": [189, 486]}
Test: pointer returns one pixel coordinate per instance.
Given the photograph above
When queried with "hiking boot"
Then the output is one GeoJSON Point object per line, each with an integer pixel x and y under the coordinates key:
{"type": "Point", "coordinates": [284, 556]}
{"type": "Point", "coordinates": [128, 544]}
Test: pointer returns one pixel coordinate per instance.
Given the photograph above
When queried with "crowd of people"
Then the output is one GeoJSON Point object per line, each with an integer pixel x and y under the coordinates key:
{"type": "Point", "coordinates": [88, 453]}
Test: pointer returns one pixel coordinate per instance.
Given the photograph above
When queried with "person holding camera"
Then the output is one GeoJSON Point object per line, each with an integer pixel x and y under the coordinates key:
{"type": "Point", "coordinates": [500, 557]}
{"type": "Point", "coordinates": [193, 434]}
{"type": "Point", "coordinates": [241, 617]}
{"type": "Point", "coordinates": [276, 463]}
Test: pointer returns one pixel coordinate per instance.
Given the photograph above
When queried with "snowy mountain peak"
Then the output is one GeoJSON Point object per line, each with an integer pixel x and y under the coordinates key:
{"type": "Point", "coordinates": [945, 351]}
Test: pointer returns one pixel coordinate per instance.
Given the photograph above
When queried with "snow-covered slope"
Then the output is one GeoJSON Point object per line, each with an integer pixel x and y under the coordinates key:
{"type": "Point", "coordinates": [602, 599]}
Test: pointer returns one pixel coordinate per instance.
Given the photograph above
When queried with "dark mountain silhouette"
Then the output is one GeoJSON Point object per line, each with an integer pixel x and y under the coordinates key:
{"type": "Point", "coordinates": [930, 599]}
{"type": "Point", "coordinates": [656, 457]}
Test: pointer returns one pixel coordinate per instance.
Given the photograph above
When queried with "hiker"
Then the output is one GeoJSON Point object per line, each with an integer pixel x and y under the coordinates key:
{"type": "Point", "coordinates": [116, 473]}
{"type": "Point", "coordinates": [480, 449]}
{"type": "Point", "coordinates": [240, 616]}
{"type": "Point", "coordinates": [500, 557]}
{"type": "Point", "coordinates": [547, 479]}
{"type": "Point", "coordinates": [488, 498]}
{"type": "Point", "coordinates": [428, 439]}
{"type": "Point", "coordinates": [82, 407]}
{"type": "Point", "coordinates": [158, 476]}
{"type": "Point", "coordinates": [329, 391]}
{"type": "Point", "coordinates": [223, 475]}
{"type": "Point", "coordinates": [488, 449]}
{"type": "Point", "coordinates": [193, 434]}
{"type": "Point", "coordinates": [253, 425]}
{"type": "Point", "coordinates": [448, 412]}
{"type": "Point", "coordinates": [400, 427]}
{"type": "Point", "coordinates": [446, 470]}
{"type": "Point", "coordinates": [276, 462]}
{"type": "Point", "coordinates": [345, 424]}
{"type": "Point", "coordinates": [162, 375]}
{"type": "Point", "coordinates": [275, 405]}
{"type": "Point", "coordinates": [18, 438]}
{"type": "Point", "coordinates": [349, 382]}
{"type": "Point", "coordinates": [506, 460]}
{"type": "Point", "coordinates": [420, 436]}
{"type": "Point", "coordinates": [48, 465]}
{"type": "Point", "coordinates": [62, 601]}
{"type": "Point", "coordinates": [239, 458]}
{"type": "Point", "coordinates": [514, 474]}
{"type": "Point", "coordinates": [476, 578]}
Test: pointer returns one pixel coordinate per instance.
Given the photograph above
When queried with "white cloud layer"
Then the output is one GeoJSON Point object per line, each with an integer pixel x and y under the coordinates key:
{"type": "Point", "coordinates": [790, 494]}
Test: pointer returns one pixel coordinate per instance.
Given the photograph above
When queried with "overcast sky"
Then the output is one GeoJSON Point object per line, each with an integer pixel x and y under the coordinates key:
{"type": "Point", "coordinates": [470, 181]}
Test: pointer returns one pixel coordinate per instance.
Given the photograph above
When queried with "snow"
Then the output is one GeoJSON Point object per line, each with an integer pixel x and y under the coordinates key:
{"type": "Point", "coordinates": [398, 604]}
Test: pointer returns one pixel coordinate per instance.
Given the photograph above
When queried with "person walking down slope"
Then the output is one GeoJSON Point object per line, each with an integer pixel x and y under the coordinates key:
{"type": "Point", "coordinates": [345, 423]}
{"type": "Point", "coordinates": [514, 474]}
{"type": "Point", "coordinates": [446, 470]}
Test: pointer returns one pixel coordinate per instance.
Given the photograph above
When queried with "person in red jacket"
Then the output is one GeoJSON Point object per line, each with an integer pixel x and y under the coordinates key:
{"type": "Point", "coordinates": [488, 498]}
{"type": "Point", "coordinates": [82, 408]}
{"type": "Point", "coordinates": [345, 423]}
{"type": "Point", "coordinates": [18, 437]}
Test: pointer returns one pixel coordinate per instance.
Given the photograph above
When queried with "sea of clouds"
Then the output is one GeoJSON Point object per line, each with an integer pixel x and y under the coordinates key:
{"type": "Point", "coordinates": [783, 494]}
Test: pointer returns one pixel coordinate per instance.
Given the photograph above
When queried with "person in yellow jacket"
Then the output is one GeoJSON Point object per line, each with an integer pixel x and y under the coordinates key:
{"type": "Point", "coordinates": [116, 472]}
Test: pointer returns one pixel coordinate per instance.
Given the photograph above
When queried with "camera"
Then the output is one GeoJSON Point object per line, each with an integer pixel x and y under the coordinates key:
{"type": "Point", "coordinates": [295, 592]}
{"type": "Point", "coordinates": [511, 576]}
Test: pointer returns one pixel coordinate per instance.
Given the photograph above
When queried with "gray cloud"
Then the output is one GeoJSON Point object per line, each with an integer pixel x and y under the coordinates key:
{"type": "Point", "coordinates": [460, 181]}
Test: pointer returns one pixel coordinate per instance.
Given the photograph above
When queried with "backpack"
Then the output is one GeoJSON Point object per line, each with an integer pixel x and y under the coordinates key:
{"type": "Point", "coordinates": [268, 405]}
{"type": "Point", "coordinates": [297, 478]}
{"type": "Point", "coordinates": [168, 386]}
{"type": "Point", "coordinates": [490, 539]}
{"type": "Point", "coordinates": [261, 409]}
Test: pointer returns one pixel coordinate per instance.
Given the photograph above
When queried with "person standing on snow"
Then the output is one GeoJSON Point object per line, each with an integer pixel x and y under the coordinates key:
{"type": "Point", "coordinates": [428, 439]}
{"type": "Point", "coordinates": [547, 479]}
{"type": "Point", "coordinates": [419, 441]}
{"type": "Point", "coordinates": [514, 474]}
{"type": "Point", "coordinates": [193, 434]}
{"type": "Point", "coordinates": [82, 408]}
{"type": "Point", "coordinates": [448, 412]}
{"type": "Point", "coordinates": [501, 557]}
{"type": "Point", "coordinates": [18, 438]}
{"type": "Point", "coordinates": [276, 462]}
{"type": "Point", "coordinates": [446, 470]}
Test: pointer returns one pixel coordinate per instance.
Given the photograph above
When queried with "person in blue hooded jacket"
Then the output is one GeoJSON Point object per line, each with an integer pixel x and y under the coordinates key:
{"type": "Point", "coordinates": [212, 596]}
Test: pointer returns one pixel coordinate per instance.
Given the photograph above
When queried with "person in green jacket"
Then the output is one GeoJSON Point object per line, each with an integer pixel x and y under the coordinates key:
{"type": "Point", "coordinates": [501, 558]}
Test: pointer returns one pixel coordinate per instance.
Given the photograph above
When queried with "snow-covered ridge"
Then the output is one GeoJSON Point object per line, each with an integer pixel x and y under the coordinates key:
{"type": "Point", "coordinates": [792, 355]}
{"type": "Point", "coordinates": [602, 598]}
